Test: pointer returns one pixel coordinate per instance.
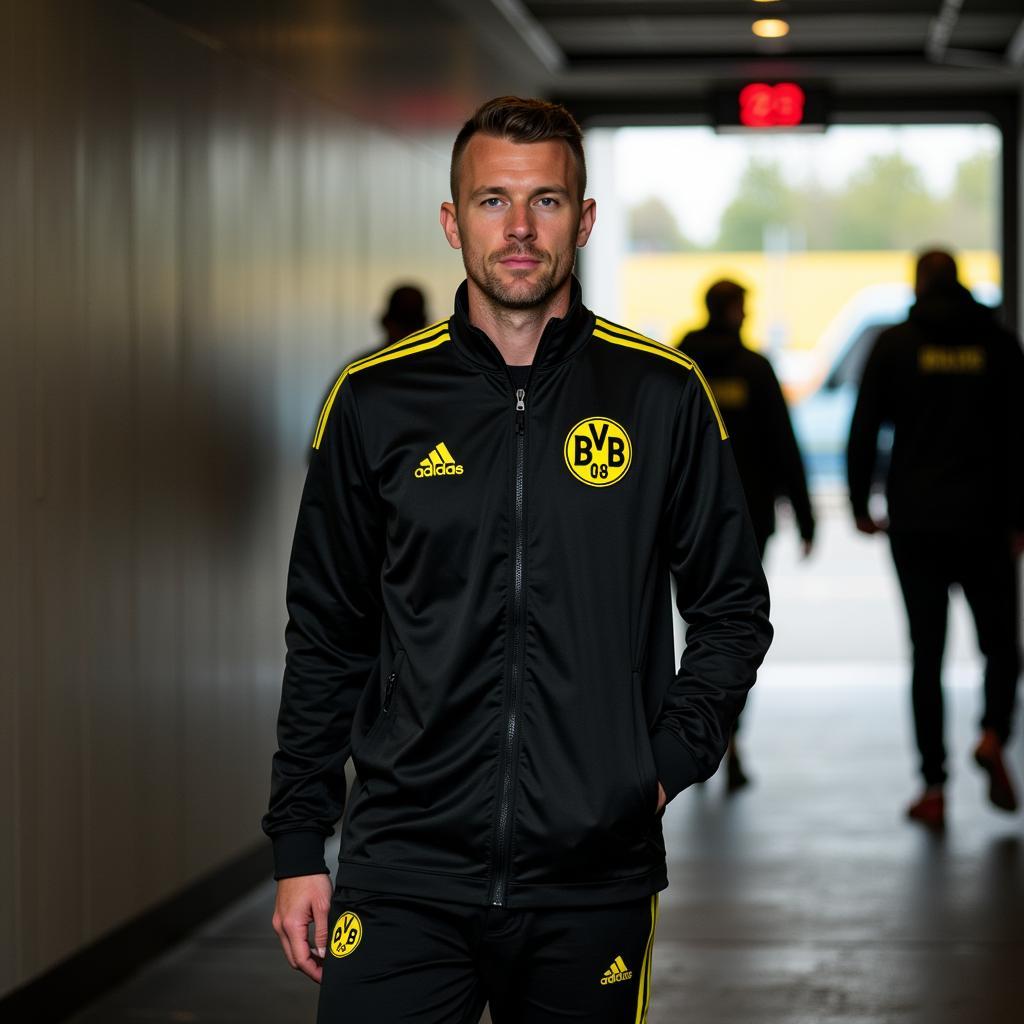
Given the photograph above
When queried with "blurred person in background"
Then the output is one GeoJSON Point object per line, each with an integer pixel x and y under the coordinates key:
{"type": "Point", "coordinates": [754, 409]}
{"type": "Point", "coordinates": [404, 314]}
{"type": "Point", "coordinates": [950, 380]}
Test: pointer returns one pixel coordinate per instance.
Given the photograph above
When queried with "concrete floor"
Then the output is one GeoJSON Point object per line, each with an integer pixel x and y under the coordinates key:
{"type": "Point", "coordinates": [806, 899]}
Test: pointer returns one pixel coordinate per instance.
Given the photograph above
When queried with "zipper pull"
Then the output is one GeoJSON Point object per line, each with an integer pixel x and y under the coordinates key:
{"type": "Point", "coordinates": [389, 691]}
{"type": "Point", "coordinates": [520, 409]}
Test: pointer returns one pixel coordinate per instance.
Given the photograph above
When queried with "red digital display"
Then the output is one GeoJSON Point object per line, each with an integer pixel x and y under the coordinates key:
{"type": "Point", "coordinates": [772, 106]}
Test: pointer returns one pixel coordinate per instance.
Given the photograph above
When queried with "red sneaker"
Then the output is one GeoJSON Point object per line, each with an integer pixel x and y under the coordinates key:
{"type": "Point", "coordinates": [989, 755]}
{"type": "Point", "coordinates": [929, 808]}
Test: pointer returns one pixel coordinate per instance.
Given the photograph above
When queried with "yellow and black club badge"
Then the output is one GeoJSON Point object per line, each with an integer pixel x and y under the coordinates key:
{"type": "Point", "coordinates": [347, 934]}
{"type": "Point", "coordinates": [598, 451]}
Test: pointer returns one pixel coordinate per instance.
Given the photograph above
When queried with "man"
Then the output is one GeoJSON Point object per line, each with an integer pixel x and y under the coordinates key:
{"type": "Point", "coordinates": [405, 313]}
{"type": "Point", "coordinates": [755, 414]}
{"type": "Point", "coordinates": [951, 382]}
{"type": "Point", "coordinates": [479, 613]}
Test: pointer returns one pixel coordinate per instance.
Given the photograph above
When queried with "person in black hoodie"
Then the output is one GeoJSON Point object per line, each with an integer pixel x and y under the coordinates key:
{"type": "Point", "coordinates": [951, 382]}
{"type": "Point", "coordinates": [754, 409]}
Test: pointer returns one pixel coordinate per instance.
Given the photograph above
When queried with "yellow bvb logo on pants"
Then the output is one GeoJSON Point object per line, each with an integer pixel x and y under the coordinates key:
{"type": "Point", "coordinates": [347, 933]}
{"type": "Point", "coordinates": [598, 451]}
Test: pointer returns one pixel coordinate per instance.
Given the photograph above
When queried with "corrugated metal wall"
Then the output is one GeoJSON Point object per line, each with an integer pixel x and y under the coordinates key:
{"type": "Point", "coordinates": [188, 252]}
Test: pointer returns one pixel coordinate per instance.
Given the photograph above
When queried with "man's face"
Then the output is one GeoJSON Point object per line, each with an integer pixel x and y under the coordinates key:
{"type": "Point", "coordinates": [519, 220]}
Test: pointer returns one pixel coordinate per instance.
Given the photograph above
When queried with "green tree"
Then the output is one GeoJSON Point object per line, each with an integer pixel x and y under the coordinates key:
{"type": "Point", "coordinates": [653, 228]}
{"type": "Point", "coordinates": [762, 200]}
{"type": "Point", "coordinates": [815, 215]}
{"type": "Point", "coordinates": [886, 206]}
{"type": "Point", "coordinates": [968, 215]}
{"type": "Point", "coordinates": [883, 205]}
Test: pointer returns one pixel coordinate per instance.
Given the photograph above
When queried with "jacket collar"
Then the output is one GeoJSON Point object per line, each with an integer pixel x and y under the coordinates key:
{"type": "Point", "coordinates": [561, 339]}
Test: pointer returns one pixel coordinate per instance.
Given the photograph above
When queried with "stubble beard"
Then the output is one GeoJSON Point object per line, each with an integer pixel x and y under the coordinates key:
{"type": "Point", "coordinates": [484, 274]}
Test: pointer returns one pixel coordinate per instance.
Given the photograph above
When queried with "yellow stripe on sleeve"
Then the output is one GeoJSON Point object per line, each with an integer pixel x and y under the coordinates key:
{"type": "Point", "coordinates": [655, 348]}
{"type": "Point", "coordinates": [619, 329]}
{"type": "Point", "coordinates": [712, 400]}
{"type": "Point", "coordinates": [384, 356]}
{"type": "Point", "coordinates": [352, 367]}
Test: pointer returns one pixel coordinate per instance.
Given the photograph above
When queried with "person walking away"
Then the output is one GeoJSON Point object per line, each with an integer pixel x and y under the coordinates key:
{"type": "Point", "coordinates": [755, 413]}
{"type": "Point", "coordinates": [950, 380]}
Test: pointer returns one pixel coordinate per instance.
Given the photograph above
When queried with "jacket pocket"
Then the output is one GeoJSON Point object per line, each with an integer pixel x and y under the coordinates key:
{"type": "Point", "coordinates": [646, 771]}
{"type": "Point", "coordinates": [390, 693]}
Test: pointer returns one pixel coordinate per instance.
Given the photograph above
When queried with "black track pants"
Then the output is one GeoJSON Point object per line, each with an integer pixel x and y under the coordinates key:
{"type": "Point", "coordinates": [396, 959]}
{"type": "Point", "coordinates": [927, 565]}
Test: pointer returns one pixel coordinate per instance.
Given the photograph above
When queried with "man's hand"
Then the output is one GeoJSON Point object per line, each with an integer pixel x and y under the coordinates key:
{"type": "Point", "coordinates": [299, 901]}
{"type": "Point", "coordinates": [869, 526]}
{"type": "Point", "coordinates": [661, 799]}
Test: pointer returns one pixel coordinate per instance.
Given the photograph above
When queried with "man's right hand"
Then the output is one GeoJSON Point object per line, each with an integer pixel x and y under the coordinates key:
{"type": "Point", "coordinates": [299, 901]}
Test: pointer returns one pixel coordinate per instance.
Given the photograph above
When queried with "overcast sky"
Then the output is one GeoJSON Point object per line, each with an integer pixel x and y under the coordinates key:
{"type": "Point", "coordinates": [696, 171]}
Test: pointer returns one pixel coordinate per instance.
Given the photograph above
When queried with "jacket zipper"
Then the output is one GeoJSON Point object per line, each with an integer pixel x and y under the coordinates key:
{"type": "Point", "coordinates": [389, 690]}
{"type": "Point", "coordinates": [512, 723]}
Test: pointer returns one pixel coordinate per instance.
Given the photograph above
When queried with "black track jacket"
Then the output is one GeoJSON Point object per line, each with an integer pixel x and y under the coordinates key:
{"type": "Point", "coordinates": [756, 415]}
{"type": "Point", "coordinates": [951, 381]}
{"type": "Point", "coordinates": [480, 614]}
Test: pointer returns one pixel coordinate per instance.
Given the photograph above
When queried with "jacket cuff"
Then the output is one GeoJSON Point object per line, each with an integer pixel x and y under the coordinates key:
{"type": "Point", "coordinates": [299, 853]}
{"type": "Point", "coordinates": [677, 767]}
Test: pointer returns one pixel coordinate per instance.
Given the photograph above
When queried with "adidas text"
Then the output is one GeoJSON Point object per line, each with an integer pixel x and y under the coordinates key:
{"type": "Point", "coordinates": [446, 470]}
{"type": "Point", "coordinates": [621, 976]}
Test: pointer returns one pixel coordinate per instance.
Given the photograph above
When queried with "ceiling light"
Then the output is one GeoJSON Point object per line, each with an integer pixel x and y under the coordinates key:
{"type": "Point", "coordinates": [770, 28]}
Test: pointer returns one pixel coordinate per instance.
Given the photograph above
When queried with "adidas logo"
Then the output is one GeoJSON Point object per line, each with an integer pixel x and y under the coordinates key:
{"type": "Point", "coordinates": [439, 462]}
{"type": "Point", "coordinates": [617, 972]}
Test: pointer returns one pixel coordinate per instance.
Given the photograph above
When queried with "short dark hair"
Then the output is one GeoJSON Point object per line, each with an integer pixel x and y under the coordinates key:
{"type": "Point", "coordinates": [522, 120]}
{"type": "Point", "coordinates": [936, 271]}
{"type": "Point", "coordinates": [721, 297]}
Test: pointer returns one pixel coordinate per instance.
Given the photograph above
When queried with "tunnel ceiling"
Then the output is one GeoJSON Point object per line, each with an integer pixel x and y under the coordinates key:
{"type": "Point", "coordinates": [425, 62]}
{"type": "Point", "coordinates": [661, 48]}
{"type": "Point", "coordinates": [606, 32]}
